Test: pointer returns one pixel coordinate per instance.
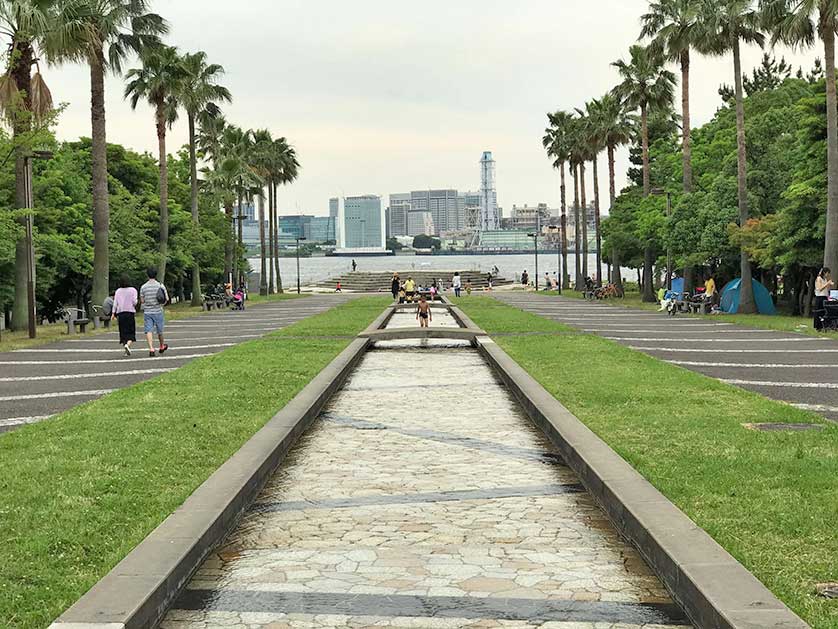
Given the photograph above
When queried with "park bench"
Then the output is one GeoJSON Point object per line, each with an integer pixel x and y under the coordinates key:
{"type": "Point", "coordinates": [99, 317]}
{"type": "Point", "coordinates": [208, 302]}
{"type": "Point", "coordinates": [75, 318]}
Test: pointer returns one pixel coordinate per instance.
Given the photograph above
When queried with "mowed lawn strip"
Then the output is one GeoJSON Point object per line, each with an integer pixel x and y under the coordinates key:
{"type": "Point", "coordinates": [79, 491]}
{"type": "Point", "coordinates": [770, 498]}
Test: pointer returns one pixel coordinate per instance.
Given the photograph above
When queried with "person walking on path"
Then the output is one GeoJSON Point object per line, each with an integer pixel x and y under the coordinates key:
{"type": "Point", "coordinates": [354, 266]}
{"type": "Point", "coordinates": [153, 297]}
{"type": "Point", "coordinates": [457, 283]}
{"type": "Point", "coordinates": [125, 312]}
{"type": "Point", "coordinates": [394, 286]}
{"type": "Point", "coordinates": [823, 284]}
{"type": "Point", "coordinates": [525, 278]}
{"type": "Point", "coordinates": [423, 312]}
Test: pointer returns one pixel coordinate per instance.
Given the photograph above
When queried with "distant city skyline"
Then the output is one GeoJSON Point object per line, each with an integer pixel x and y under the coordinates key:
{"type": "Point", "coordinates": [419, 96]}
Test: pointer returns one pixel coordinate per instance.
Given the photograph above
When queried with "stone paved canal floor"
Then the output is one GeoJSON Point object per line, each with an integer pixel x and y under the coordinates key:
{"type": "Point", "coordinates": [793, 368]}
{"type": "Point", "coordinates": [45, 380]}
{"type": "Point", "coordinates": [422, 497]}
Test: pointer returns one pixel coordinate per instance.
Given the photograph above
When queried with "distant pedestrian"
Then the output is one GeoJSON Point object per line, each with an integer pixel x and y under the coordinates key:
{"type": "Point", "coordinates": [354, 266]}
{"type": "Point", "coordinates": [823, 284]}
{"type": "Point", "coordinates": [153, 296]}
{"type": "Point", "coordinates": [338, 288]}
{"type": "Point", "coordinates": [468, 287]}
{"type": "Point", "coordinates": [125, 313]}
{"type": "Point", "coordinates": [457, 283]}
{"type": "Point", "coordinates": [546, 281]}
{"type": "Point", "coordinates": [525, 278]}
{"type": "Point", "coordinates": [394, 286]}
{"type": "Point", "coordinates": [410, 288]}
{"type": "Point", "coordinates": [489, 281]}
{"type": "Point", "coordinates": [423, 312]}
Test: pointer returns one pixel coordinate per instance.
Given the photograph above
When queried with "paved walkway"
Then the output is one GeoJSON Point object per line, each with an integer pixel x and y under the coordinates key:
{"type": "Point", "coordinates": [423, 497]}
{"type": "Point", "coordinates": [792, 368]}
{"type": "Point", "coordinates": [40, 382]}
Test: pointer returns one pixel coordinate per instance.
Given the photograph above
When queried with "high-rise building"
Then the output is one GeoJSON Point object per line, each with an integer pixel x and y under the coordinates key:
{"type": "Point", "coordinates": [531, 218]}
{"type": "Point", "coordinates": [420, 223]}
{"type": "Point", "coordinates": [399, 207]}
{"type": "Point", "coordinates": [489, 217]}
{"type": "Point", "coordinates": [296, 225]}
{"type": "Point", "coordinates": [470, 204]}
{"type": "Point", "coordinates": [443, 206]}
{"type": "Point", "coordinates": [322, 229]}
{"type": "Point", "coordinates": [362, 224]}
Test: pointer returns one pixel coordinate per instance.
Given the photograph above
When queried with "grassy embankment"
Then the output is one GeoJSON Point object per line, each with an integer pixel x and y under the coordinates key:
{"type": "Point", "coordinates": [771, 499]}
{"type": "Point", "coordinates": [81, 490]}
{"type": "Point", "coordinates": [52, 332]}
{"type": "Point", "coordinates": [779, 322]}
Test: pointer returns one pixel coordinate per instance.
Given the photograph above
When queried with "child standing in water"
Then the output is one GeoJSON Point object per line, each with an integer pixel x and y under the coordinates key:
{"type": "Point", "coordinates": [423, 312]}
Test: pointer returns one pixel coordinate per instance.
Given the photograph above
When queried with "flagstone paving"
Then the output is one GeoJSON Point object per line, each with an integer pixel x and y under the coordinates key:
{"type": "Point", "coordinates": [424, 498]}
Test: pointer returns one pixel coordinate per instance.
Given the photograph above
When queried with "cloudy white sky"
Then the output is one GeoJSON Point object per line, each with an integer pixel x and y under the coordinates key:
{"type": "Point", "coordinates": [382, 96]}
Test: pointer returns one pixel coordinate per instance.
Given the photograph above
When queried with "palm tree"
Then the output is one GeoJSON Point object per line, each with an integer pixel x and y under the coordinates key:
{"type": "Point", "coordinates": [236, 146]}
{"type": "Point", "coordinates": [556, 141]}
{"type": "Point", "coordinates": [285, 169]}
{"type": "Point", "coordinates": [729, 23]}
{"type": "Point", "coordinates": [199, 94]}
{"type": "Point", "coordinates": [575, 156]}
{"type": "Point", "coordinates": [616, 128]}
{"type": "Point", "coordinates": [645, 85]}
{"type": "Point", "coordinates": [24, 99]}
{"type": "Point", "coordinates": [675, 27]}
{"type": "Point", "coordinates": [798, 23]}
{"type": "Point", "coordinates": [581, 147]}
{"type": "Point", "coordinates": [158, 81]}
{"type": "Point", "coordinates": [261, 163]}
{"type": "Point", "coordinates": [595, 140]}
{"type": "Point", "coordinates": [103, 33]}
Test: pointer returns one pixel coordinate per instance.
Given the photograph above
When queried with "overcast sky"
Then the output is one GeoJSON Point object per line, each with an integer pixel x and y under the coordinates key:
{"type": "Point", "coordinates": [382, 96]}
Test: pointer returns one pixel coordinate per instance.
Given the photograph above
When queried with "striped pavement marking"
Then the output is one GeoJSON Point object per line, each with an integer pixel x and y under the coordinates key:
{"type": "Point", "coordinates": [793, 385]}
{"type": "Point", "coordinates": [20, 421]}
{"type": "Point", "coordinates": [732, 351]}
{"type": "Point", "coordinates": [818, 408]}
{"type": "Point", "coordinates": [711, 340]}
{"type": "Point", "coordinates": [103, 374]}
{"type": "Point", "coordinates": [102, 361]}
{"type": "Point", "coordinates": [691, 363]}
{"type": "Point", "coordinates": [100, 351]}
{"type": "Point", "coordinates": [93, 393]}
{"type": "Point", "coordinates": [139, 344]}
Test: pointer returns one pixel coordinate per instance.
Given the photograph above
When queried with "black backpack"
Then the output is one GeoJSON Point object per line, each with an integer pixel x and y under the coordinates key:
{"type": "Point", "coordinates": [162, 296]}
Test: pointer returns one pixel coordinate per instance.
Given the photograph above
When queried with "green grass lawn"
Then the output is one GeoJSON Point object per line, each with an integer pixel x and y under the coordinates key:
{"type": "Point", "coordinates": [779, 322]}
{"type": "Point", "coordinates": [81, 490]}
{"type": "Point", "coordinates": [52, 332]}
{"type": "Point", "coordinates": [771, 499]}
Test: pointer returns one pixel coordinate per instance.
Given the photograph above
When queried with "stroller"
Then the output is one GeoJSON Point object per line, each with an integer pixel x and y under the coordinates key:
{"type": "Point", "coordinates": [238, 299]}
{"type": "Point", "coordinates": [829, 315]}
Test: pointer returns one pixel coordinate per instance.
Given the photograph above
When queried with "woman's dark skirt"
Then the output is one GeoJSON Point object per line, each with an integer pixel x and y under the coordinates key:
{"type": "Point", "coordinates": [127, 327]}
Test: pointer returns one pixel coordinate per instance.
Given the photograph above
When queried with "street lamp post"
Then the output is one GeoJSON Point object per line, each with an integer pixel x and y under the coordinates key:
{"type": "Point", "coordinates": [31, 307]}
{"type": "Point", "coordinates": [299, 238]}
{"type": "Point", "coordinates": [534, 236]}
{"type": "Point", "coordinates": [661, 192]}
{"type": "Point", "coordinates": [559, 270]}
{"type": "Point", "coordinates": [240, 217]}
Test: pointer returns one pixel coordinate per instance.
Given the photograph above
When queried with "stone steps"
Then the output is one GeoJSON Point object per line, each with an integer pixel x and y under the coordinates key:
{"type": "Point", "coordinates": [380, 281]}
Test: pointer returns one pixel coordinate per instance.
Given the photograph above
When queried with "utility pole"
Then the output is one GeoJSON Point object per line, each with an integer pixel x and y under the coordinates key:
{"type": "Point", "coordinates": [299, 238]}
{"type": "Point", "coordinates": [31, 306]}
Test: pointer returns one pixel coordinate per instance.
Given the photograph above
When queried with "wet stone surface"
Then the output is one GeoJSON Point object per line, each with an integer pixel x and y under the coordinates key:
{"type": "Point", "coordinates": [424, 498]}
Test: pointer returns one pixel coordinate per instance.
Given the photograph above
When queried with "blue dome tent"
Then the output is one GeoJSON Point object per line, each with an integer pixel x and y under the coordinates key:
{"type": "Point", "coordinates": [730, 298]}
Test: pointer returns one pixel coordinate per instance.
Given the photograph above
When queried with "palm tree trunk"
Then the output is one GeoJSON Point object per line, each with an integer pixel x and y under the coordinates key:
{"type": "Point", "coordinates": [616, 277]}
{"type": "Point", "coordinates": [596, 224]}
{"type": "Point", "coordinates": [746, 289]}
{"type": "Point", "coordinates": [584, 222]}
{"type": "Point", "coordinates": [687, 149]}
{"type": "Point", "coordinates": [565, 279]}
{"type": "Point", "coordinates": [644, 134]}
{"type": "Point", "coordinates": [263, 269]}
{"type": "Point", "coordinates": [279, 288]}
{"type": "Point", "coordinates": [193, 198]}
{"type": "Point", "coordinates": [830, 255]}
{"type": "Point", "coordinates": [99, 173]}
{"type": "Point", "coordinates": [579, 282]}
{"type": "Point", "coordinates": [612, 187]}
{"type": "Point", "coordinates": [164, 192]}
{"type": "Point", "coordinates": [21, 74]}
{"type": "Point", "coordinates": [237, 234]}
{"type": "Point", "coordinates": [271, 241]}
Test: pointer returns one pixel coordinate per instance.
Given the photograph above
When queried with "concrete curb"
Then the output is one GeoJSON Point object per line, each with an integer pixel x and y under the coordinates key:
{"type": "Point", "coordinates": [714, 589]}
{"type": "Point", "coordinates": [138, 591]}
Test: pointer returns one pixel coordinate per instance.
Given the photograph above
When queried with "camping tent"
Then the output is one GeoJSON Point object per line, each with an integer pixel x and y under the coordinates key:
{"type": "Point", "coordinates": [730, 298]}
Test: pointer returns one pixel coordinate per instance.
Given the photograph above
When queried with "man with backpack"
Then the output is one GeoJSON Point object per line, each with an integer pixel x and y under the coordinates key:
{"type": "Point", "coordinates": [153, 297]}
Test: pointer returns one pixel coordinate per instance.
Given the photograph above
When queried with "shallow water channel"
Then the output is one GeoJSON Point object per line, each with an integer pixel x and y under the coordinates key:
{"type": "Point", "coordinates": [423, 497]}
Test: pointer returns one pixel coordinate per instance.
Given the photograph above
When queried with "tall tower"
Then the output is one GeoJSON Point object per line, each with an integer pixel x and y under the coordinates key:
{"type": "Point", "coordinates": [489, 219]}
